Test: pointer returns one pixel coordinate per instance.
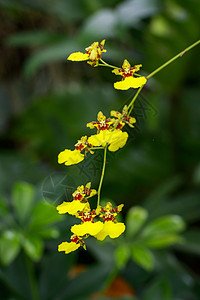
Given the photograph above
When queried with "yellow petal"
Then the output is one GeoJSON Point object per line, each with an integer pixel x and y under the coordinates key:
{"type": "Point", "coordinates": [70, 157]}
{"type": "Point", "coordinates": [117, 72]}
{"type": "Point", "coordinates": [93, 54]}
{"type": "Point", "coordinates": [118, 140]}
{"type": "Point", "coordinates": [102, 43]}
{"type": "Point", "coordinates": [130, 82]}
{"type": "Point", "coordinates": [68, 247]}
{"type": "Point", "coordinates": [70, 207]}
{"type": "Point", "coordinates": [110, 229]}
{"type": "Point", "coordinates": [93, 192]}
{"type": "Point", "coordinates": [115, 114]}
{"type": "Point", "coordinates": [137, 67]}
{"type": "Point", "coordinates": [99, 139]}
{"type": "Point", "coordinates": [126, 64]}
{"type": "Point", "coordinates": [78, 56]}
{"type": "Point", "coordinates": [87, 228]}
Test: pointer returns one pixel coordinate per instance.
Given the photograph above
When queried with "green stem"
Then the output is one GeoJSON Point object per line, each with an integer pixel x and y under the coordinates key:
{"type": "Point", "coordinates": [173, 59]}
{"type": "Point", "coordinates": [32, 279]}
{"type": "Point", "coordinates": [105, 64]}
{"type": "Point", "coordinates": [102, 176]}
{"type": "Point", "coordinates": [133, 100]}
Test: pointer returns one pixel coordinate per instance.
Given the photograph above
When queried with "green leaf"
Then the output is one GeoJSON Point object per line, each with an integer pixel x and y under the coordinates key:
{"type": "Point", "coordinates": [122, 255]}
{"type": "Point", "coordinates": [33, 247]}
{"type": "Point", "coordinates": [9, 246]}
{"type": "Point", "coordinates": [43, 214]}
{"type": "Point", "coordinates": [135, 219]}
{"type": "Point", "coordinates": [162, 241]}
{"type": "Point", "coordinates": [23, 200]}
{"type": "Point", "coordinates": [143, 257]}
{"type": "Point", "coordinates": [163, 226]}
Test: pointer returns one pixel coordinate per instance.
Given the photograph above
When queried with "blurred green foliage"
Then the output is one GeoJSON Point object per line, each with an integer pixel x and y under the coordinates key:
{"type": "Point", "coordinates": [45, 105]}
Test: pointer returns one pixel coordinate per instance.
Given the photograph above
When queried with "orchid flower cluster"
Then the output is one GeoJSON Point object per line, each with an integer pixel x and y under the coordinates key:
{"type": "Point", "coordinates": [101, 222]}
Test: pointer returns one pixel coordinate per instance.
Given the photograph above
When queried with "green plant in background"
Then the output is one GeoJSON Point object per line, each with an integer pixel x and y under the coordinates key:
{"type": "Point", "coordinates": [161, 232]}
{"type": "Point", "coordinates": [25, 224]}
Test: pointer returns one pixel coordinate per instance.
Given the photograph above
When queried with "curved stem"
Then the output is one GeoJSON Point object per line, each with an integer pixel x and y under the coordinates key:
{"type": "Point", "coordinates": [102, 176]}
{"type": "Point", "coordinates": [130, 106]}
{"type": "Point", "coordinates": [172, 59]}
{"type": "Point", "coordinates": [133, 100]}
{"type": "Point", "coordinates": [105, 64]}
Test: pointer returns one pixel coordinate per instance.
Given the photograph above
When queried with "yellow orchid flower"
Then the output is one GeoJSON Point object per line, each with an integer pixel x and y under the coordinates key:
{"type": "Point", "coordinates": [102, 123]}
{"type": "Point", "coordinates": [128, 80]}
{"type": "Point", "coordinates": [115, 139]}
{"type": "Point", "coordinates": [88, 226]}
{"type": "Point", "coordinates": [71, 157]}
{"type": "Point", "coordinates": [82, 191]}
{"type": "Point", "coordinates": [111, 227]}
{"type": "Point", "coordinates": [79, 201]}
{"type": "Point", "coordinates": [93, 54]}
{"type": "Point", "coordinates": [68, 247]}
{"type": "Point", "coordinates": [73, 245]}
{"type": "Point", "coordinates": [123, 120]}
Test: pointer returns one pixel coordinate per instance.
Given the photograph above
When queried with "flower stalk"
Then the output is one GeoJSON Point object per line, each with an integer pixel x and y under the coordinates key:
{"type": "Point", "coordinates": [102, 176]}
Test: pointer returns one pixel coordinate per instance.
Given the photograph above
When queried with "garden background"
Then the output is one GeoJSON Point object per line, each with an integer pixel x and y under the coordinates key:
{"type": "Point", "coordinates": [45, 103]}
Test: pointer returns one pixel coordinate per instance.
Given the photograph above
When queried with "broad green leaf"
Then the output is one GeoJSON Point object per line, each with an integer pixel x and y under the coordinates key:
{"type": "Point", "coordinates": [122, 255]}
{"type": "Point", "coordinates": [135, 219]}
{"type": "Point", "coordinates": [143, 257]}
{"type": "Point", "coordinates": [9, 246]}
{"type": "Point", "coordinates": [33, 247]}
{"type": "Point", "coordinates": [162, 241]}
{"type": "Point", "coordinates": [23, 200]}
{"type": "Point", "coordinates": [43, 214]}
{"type": "Point", "coordinates": [163, 226]}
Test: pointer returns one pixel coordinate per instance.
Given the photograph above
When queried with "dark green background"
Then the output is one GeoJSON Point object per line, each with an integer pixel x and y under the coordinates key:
{"type": "Point", "coordinates": [46, 102]}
